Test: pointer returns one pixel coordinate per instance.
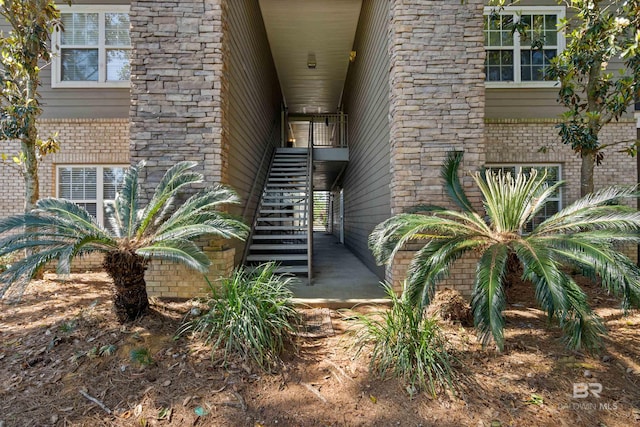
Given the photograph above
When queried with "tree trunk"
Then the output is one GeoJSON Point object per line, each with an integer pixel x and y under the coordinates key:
{"type": "Point", "coordinates": [130, 300]}
{"type": "Point", "coordinates": [586, 172]}
{"type": "Point", "coordinates": [31, 181]}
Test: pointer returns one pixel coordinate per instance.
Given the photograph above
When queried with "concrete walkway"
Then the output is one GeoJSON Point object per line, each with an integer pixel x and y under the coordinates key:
{"type": "Point", "coordinates": [340, 279]}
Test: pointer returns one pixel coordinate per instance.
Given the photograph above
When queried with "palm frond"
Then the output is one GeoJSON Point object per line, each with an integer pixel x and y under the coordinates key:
{"type": "Point", "coordinates": [488, 300]}
{"type": "Point", "coordinates": [126, 203]}
{"type": "Point", "coordinates": [66, 214]}
{"type": "Point", "coordinates": [23, 270]}
{"type": "Point", "coordinates": [201, 209]}
{"type": "Point", "coordinates": [619, 275]}
{"type": "Point", "coordinates": [178, 176]}
{"type": "Point", "coordinates": [393, 234]}
{"type": "Point", "coordinates": [541, 268]}
{"type": "Point", "coordinates": [591, 207]}
{"type": "Point", "coordinates": [180, 251]}
{"type": "Point", "coordinates": [614, 218]}
{"type": "Point", "coordinates": [509, 200]}
{"type": "Point", "coordinates": [432, 263]}
{"type": "Point", "coordinates": [220, 226]}
{"type": "Point", "coordinates": [206, 200]}
{"type": "Point", "coordinates": [582, 329]}
{"type": "Point", "coordinates": [449, 172]}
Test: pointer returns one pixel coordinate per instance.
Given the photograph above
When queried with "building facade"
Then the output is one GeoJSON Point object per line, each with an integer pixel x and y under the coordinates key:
{"type": "Point", "coordinates": [204, 80]}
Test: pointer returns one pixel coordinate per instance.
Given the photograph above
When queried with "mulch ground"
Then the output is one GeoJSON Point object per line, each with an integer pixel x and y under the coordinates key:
{"type": "Point", "coordinates": [66, 361]}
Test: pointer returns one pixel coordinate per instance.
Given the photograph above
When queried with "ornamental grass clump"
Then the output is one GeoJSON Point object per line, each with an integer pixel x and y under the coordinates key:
{"type": "Point", "coordinates": [249, 315]}
{"type": "Point", "coordinates": [408, 346]}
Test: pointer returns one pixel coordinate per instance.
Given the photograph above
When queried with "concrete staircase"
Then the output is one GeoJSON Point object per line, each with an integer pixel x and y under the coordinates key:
{"type": "Point", "coordinates": [281, 230]}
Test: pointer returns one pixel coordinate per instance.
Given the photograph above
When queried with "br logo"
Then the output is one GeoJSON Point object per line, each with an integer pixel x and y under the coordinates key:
{"type": "Point", "coordinates": [583, 390]}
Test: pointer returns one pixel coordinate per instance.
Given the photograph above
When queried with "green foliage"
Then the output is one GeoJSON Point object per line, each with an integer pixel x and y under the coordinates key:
{"type": "Point", "coordinates": [22, 53]}
{"type": "Point", "coordinates": [251, 315]}
{"type": "Point", "coordinates": [585, 235]}
{"type": "Point", "coordinates": [60, 230]}
{"type": "Point", "coordinates": [68, 326]}
{"type": "Point", "coordinates": [408, 346]}
{"type": "Point", "coordinates": [107, 350]}
{"type": "Point", "coordinates": [142, 356]}
{"type": "Point", "coordinates": [598, 33]}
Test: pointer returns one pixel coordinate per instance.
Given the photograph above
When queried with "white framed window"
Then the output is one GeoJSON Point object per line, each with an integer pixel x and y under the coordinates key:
{"type": "Point", "coordinates": [554, 175]}
{"type": "Point", "coordinates": [520, 60]}
{"type": "Point", "coordinates": [90, 186]}
{"type": "Point", "coordinates": [94, 49]}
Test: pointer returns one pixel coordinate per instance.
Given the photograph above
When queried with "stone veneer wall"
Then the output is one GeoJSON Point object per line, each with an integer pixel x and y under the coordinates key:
{"type": "Point", "coordinates": [177, 86]}
{"type": "Point", "coordinates": [178, 104]}
{"type": "Point", "coordinates": [437, 105]}
{"type": "Point", "coordinates": [82, 142]}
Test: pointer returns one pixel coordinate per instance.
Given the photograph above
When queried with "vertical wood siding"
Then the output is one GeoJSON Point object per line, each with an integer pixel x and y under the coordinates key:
{"type": "Point", "coordinates": [366, 100]}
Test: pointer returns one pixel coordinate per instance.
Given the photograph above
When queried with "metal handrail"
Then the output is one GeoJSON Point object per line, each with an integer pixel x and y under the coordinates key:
{"type": "Point", "coordinates": [329, 130]}
{"type": "Point", "coordinates": [268, 153]}
{"type": "Point", "coordinates": [310, 204]}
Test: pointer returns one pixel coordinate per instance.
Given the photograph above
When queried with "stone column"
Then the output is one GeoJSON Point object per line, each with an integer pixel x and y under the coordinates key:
{"type": "Point", "coordinates": [178, 92]}
{"type": "Point", "coordinates": [177, 86]}
{"type": "Point", "coordinates": [436, 101]}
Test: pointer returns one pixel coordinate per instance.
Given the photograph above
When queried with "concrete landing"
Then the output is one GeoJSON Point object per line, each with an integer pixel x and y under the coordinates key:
{"type": "Point", "coordinates": [340, 279]}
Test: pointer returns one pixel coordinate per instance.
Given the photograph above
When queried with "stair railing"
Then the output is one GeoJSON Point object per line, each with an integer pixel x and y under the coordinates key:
{"type": "Point", "coordinates": [310, 204]}
{"type": "Point", "coordinates": [268, 153]}
{"type": "Point", "coordinates": [330, 130]}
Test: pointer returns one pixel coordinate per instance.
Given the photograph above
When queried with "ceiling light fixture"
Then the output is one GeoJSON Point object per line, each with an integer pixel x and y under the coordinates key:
{"type": "Point", "coordinates": [311, 61]}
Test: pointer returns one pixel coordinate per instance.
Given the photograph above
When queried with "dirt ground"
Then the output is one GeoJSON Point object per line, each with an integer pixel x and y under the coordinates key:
{"type": "Point", "coordinates": [64, 360]}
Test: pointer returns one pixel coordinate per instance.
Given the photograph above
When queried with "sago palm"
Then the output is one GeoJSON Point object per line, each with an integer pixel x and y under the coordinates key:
{"type": "Point", "coordinates": [58, 229]}
{"type": "Point", "coordinates": [585, 235]}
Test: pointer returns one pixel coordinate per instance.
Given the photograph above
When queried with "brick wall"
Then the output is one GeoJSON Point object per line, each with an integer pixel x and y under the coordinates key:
{"type": "Point", "coordinates": [437, 101]}
{"type": "Point", "coordinates": [520, 142]}
{"type": "Point", "coordinates": [169, 280]}
{"type": "Point", "coordinates": [82, 142]}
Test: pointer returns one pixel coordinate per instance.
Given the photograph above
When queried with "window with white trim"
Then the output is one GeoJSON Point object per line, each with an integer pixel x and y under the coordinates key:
{"type": "Point", "coordinates": [92, 187]}
{"type": "Point", "coordinates": [515, 59]}
{"type": "Point", "coordinates": [554, 171]}
{"type": "Point", "coordinates": [94, 48]}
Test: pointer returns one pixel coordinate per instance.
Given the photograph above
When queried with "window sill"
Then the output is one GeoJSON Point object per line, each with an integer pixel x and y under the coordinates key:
{"type": "Point", "coordinates": [521, 85]}
{"type": "Point", "coordinates": [91, 85]}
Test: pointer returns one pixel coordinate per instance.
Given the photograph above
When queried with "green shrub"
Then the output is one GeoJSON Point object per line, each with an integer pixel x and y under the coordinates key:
{"type": "Point", "coordinates": [250, 315]}
{"type": "Point", "coordinates": [408, 346]}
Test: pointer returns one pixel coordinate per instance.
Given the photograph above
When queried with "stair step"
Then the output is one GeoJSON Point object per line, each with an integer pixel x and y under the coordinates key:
{"type": "Point", "coordinates": [285, 200]}
{"type": "Point", "coordinates": [279, 237]}
{"type": "Point", "coordinates": [286, 185]}
{"type": "Point", "coordinates": [292, 269]}
{"type": "Point", "coordinates": [281, 211]}
{"type": "Point", "coordinates": [281, 227]}
{"type": "Point", "coordinates": [291, 150]}
{"type": "Point", "coordinates": [279, 204]}
{"type": "Point", "coordinates": [277, 257]}
{"type": "Point", "coordinates": [279, 247]}
{"type": "Point", "coordinates": [302, 179]}
{"type": "Point", "coordinates": [280, 219]}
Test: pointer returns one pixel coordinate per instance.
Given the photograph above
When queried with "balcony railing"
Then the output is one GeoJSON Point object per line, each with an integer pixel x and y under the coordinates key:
{"type": "Point", "coordinates": [329, 130]}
